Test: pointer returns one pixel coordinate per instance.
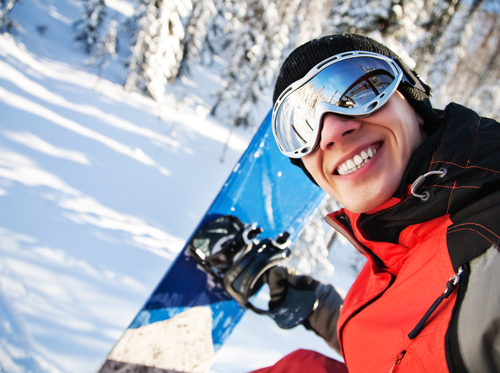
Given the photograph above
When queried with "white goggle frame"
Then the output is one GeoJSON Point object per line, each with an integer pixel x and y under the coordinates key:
{"type": "Point", "coordinates": [298, 146]}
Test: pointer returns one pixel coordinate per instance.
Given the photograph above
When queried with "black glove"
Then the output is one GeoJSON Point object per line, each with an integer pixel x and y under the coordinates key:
{"type": "Point", "coordinates": [323, 320]}
{"type": "Point", "coordinates": [280, 278]}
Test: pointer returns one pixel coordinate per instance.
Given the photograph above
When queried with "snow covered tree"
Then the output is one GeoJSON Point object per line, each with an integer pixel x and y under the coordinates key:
{"type": "Point", "coordinates": [203, 34]}
{"type": "Point", "coordinates": [309, 21]}
{"type": "Point", "coordinates": [310, 251]}
{"type": "Point", "coordinates": [105, 48]}
{"type": "Point", "coordinates": [242, 34]}
{"type": "Point", "coordinates": [412, 28]}
{"type": "Point", "coordinates": [472, 78]}
{"type": "Point", "coordinates": [362, 16]}
{"type": "Point", "coordinates": [6, 22]}
{"type": "Point", "coordinates": [158, 48]}
{"type": "Point", "coordinates": [257, 37]}
{"type": "Point", "coordinates": [484, 94]}
{"type": "Point", "coordinates": [88, 27]}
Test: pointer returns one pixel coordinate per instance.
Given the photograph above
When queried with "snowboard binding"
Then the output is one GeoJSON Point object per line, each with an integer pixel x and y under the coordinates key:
{"type": "Point", "coordinates": [229, 251]}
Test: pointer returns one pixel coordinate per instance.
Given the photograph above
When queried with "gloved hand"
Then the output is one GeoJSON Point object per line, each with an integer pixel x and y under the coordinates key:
{"type": "Point", "coordinates": [280, 278]}
{"type": "Point", "coordinates": [323, 321]}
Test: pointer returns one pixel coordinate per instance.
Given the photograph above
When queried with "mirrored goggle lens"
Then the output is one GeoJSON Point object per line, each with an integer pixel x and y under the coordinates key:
{"type": "Point", "coordinates": [350, 84]}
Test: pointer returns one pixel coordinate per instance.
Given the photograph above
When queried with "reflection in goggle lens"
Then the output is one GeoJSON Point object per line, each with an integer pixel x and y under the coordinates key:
{"type": "Point", "coordinates": [366, 89]}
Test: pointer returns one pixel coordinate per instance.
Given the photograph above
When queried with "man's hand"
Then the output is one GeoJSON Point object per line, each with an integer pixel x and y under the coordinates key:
{"type": "Point", "coordinates": [323, 321]}
{"type": "Point", "coordinates": [280, 278]}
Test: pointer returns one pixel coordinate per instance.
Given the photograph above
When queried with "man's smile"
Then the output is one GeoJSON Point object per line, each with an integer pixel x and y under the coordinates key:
{"type": "Point", "coordinates": [358, 161]}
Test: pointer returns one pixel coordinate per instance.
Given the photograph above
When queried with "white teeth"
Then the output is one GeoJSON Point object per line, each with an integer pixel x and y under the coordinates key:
{"type": "Point", "coordinates": [358, 161]}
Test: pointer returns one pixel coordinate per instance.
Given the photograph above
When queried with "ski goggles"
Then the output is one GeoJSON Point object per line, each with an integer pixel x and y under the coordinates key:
{"type": "Point", "coordinates": [353, 84]}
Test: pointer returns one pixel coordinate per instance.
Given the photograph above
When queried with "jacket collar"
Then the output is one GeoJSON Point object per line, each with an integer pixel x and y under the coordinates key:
{"type": "Point", "coordinates": [447, 148]}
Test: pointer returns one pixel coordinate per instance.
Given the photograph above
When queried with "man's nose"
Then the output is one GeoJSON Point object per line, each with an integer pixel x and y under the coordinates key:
{"type": "Point", "coordinates": [336, 128]}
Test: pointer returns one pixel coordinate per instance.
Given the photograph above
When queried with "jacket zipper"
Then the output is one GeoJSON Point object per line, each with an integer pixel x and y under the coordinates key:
{"type": "Point", "coordinates": [451, 285]}
{"type": "Point", "coordinates": [398, 360]}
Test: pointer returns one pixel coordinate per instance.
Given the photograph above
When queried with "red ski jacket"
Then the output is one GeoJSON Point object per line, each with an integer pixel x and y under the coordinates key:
{"type": "Point", "coordinates": [404, 312]}
{"type": "Point", "coordinates": [385, 304]}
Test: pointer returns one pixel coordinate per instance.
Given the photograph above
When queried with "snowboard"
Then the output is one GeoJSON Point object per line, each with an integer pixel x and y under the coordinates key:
{"type": "Point", "coordinates": [191, 312]}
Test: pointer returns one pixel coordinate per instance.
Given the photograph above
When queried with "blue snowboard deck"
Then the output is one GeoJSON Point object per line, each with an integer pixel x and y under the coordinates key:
{"type": "Point", "coordinates": [189, 315]}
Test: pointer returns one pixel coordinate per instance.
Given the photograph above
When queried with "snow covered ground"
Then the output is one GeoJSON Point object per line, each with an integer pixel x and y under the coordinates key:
{"type": "Point", "coordinates": [99, 189]}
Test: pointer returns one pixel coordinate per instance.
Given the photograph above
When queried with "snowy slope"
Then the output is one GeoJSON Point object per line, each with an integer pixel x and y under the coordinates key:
{"type": "Point", "coordinates": [99, 189]}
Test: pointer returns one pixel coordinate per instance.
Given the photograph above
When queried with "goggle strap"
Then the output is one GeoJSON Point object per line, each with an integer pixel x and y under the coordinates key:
{"type": "Point", "coordinates": [420, 86]}
{"type": "Point", "coordinates": [411, 78]}
{"type": "Point", "coordinates": [426, 88]}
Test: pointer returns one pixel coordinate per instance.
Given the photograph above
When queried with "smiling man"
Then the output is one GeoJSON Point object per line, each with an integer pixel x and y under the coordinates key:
{"type": "Point", "coordinates": [360, 161]}
{"type": "Point", "coordinates": [420, 190]}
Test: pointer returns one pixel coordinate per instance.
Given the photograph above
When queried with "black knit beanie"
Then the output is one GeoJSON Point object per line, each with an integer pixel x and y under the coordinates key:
{"type": "Point", "coordinates": [308, 55]}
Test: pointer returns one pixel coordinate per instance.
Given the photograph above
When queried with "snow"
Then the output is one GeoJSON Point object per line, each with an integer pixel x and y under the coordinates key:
{"type": "Point", "coordinates": [99, 190]}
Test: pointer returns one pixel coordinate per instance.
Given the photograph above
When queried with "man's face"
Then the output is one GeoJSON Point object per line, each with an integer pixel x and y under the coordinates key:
{"type": "Point", "coordinates": [381, 144]}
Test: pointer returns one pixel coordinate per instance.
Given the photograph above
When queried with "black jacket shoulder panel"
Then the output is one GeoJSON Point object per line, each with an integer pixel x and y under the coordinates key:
{"type": "Point", "coordinates": [468, 147]}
